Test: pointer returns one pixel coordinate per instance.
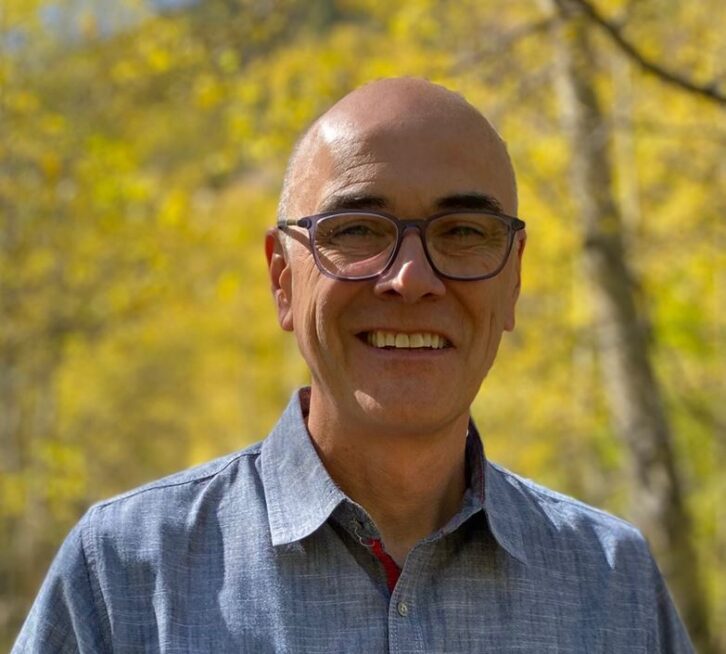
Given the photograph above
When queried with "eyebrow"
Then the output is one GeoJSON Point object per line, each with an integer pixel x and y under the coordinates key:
{"type": "Point", "coordinates": [469, 201]}
{"type": "Point", "coordinates": [354, 202]}
{"type": "Point", "coordinates": [473, 200]}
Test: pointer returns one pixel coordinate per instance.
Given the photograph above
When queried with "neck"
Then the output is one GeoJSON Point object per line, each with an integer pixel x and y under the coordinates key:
{"type": "Point", "coordinates": [411, 484]}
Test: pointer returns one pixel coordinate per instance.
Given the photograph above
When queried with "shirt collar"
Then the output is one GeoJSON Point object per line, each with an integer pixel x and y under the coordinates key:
{"type": "Point", "coordinates": [299, 491]}
{"type": "Point", "coordinates": [301, 495]}
{"type": "Point", "coordinates": [489, 491]}
{"type": "Point", "coordinates": [504, 511]}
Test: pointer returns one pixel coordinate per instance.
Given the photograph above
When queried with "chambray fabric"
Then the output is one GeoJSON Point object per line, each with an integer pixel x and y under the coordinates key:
{"type": "Point", "coordinates": [261, 552]}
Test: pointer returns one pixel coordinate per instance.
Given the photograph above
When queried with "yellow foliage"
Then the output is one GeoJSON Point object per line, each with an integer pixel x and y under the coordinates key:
{"type": "Point", "coordinates": [207, 92]}
{"type": "Point", "coordinates": [174, 208]}
{"type": "Point", "coordinates": [144, 168]}
{"type": "Point", "coordinates": [14, 495]}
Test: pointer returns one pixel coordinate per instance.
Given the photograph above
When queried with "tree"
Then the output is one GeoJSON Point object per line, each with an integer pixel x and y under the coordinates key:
{"type": "Point", "coordinates": [623, 328]}
{"type": "Point", "coordinates": [139, 166]}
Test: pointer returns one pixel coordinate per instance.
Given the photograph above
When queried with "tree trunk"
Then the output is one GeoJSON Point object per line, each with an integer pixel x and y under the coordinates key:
{"type": "Point", "coordinates": [634, 395]}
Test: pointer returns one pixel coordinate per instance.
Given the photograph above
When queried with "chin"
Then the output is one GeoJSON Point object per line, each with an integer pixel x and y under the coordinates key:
{"type": "Point", "coordinates": [414, 411]}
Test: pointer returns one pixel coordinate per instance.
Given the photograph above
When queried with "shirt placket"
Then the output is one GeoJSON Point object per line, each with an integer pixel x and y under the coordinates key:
{"type": "Point", "coordinates": [405, 635]}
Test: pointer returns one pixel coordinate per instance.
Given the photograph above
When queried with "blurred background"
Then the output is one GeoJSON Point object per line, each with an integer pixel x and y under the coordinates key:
{"type": "Point", "coordinates": [142, 146]}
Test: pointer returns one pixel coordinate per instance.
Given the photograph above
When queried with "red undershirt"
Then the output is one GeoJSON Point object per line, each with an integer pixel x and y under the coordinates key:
{"type": "Point", "coordinates": [393, 572]}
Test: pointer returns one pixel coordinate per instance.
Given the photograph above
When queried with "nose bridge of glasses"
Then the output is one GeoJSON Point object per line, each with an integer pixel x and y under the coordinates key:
{"type": "Point", "coordinates": [406, 227]}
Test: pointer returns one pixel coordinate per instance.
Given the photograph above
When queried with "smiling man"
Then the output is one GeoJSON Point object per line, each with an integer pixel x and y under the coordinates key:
{"type": "Point", "coordinates": [369, 520]}
{"type": "Point", "coordinates": [398, 321]}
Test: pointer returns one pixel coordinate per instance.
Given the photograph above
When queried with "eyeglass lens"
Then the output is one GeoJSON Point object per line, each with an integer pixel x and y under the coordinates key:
{"type": "Point", "coordinates": [461, 245]}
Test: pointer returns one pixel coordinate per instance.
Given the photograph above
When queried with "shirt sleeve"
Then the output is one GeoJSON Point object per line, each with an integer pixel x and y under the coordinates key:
{"type": "Point", "coordinates": [65, 616]}
{"type": "Point", "coordinates": [668, 635]}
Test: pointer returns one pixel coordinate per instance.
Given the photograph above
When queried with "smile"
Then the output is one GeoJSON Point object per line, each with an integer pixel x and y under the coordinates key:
{"type": "Point", "coordinates": [398, 340]}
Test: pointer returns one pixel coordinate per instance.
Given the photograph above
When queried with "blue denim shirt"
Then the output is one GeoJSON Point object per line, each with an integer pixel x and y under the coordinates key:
{"type": "Point", "coordinates": [261, 552]}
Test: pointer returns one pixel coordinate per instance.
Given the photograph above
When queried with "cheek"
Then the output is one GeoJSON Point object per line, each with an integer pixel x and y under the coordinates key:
{"type": "Point", "coordinates": [305, 312]}
{"type": "Point", "coordinates": [487, 309]}
{"type": "Point", "coordinates": [322, 320]}
{"type": "Point", "coordinates": [307, 335]}
{"type": "Point", "coordinates": [508, 299]}
{"type": "Point", "coordinates": [302, 299]}
{"type": "Point", "coordinates": [312, 309]}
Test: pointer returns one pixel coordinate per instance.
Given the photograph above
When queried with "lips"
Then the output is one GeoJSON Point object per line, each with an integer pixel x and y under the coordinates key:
{"type": "Point", "coordinates": [380, 338]}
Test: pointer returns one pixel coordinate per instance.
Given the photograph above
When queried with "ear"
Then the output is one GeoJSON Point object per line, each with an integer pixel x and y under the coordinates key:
{"type": "Point", "coordinates": [280, 278]}
{"type": "Point", "coordinates": [511, 301]}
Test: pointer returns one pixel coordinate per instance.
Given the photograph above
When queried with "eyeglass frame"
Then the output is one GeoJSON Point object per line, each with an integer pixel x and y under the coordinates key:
{"type": "Point", "coordinates": [310, 223]}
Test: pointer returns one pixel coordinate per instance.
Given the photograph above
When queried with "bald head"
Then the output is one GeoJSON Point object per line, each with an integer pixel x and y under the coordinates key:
{"type": "Point", "coordinates": [414, 151]}
{"type": "Point", "coordinates": [404, 110]}
{"type": "Point", "coordinates": [396, 102]}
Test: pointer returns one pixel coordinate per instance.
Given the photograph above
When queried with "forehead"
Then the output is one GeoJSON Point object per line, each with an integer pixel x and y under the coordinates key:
{"type": "Point", "coordinates": [411, 162]}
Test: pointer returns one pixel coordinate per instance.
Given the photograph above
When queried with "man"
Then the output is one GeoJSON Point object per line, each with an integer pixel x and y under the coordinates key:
{"type": "Point", "coordinates": [369, 520]}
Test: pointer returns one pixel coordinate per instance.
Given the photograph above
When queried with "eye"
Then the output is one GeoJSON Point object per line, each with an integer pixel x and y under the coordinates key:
{"type": "Point", "coordinates": [470, 231]}
{"type": "Point", "coordinates": [464, 230]}
{"type": "Point", "coordinates": [354, 230]}
{"type": "Point", "coordinates": [464, 234]}
{"type": "Point", "coordinates": [351, 230]}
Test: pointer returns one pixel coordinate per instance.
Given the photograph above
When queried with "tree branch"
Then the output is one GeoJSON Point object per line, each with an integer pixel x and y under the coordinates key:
{"type": "Point", "coordinates": [709, 90]}
{"type": "Point", "coordinates": [502, 43]}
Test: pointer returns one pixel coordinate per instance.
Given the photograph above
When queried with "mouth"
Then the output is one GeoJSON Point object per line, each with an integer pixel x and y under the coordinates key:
{"type": "Point", "coordinates": [392, 340]}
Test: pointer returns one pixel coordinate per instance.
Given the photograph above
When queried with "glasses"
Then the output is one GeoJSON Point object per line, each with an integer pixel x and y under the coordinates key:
{"type": "Point", "coordinates": [360, 245]}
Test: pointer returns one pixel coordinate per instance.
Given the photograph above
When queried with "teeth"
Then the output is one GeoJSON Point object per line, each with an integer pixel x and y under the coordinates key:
{"type": "Point", "coordinates": [417, 340]}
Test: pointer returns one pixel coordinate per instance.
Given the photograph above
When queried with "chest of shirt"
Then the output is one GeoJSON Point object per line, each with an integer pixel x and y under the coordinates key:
{"type": "Point", "coordinates": [460, 593]}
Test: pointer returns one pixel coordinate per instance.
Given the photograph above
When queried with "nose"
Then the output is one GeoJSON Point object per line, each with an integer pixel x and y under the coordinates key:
{"type": "Point", "coordinates": [410, 276]}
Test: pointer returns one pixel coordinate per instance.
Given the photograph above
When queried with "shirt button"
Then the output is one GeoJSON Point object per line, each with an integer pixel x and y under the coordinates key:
{"type": "Point", "coordinates": [402, 609]}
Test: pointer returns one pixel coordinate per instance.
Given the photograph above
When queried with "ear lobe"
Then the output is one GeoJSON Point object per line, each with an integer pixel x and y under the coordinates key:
{"type": "Point", "coordinates": [280, 278]}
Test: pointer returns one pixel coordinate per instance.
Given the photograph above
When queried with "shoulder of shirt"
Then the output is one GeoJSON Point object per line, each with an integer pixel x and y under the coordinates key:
{"type": "Point", "coordinates": [560, 509]}
{"type": "Point", "coordinates": [183, 480]}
